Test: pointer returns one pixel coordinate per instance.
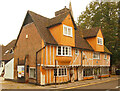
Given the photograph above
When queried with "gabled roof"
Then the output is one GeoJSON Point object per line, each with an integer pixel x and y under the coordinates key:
{"type": "Point", "coordinates": [57, 20]}
{"type": "Point", "coordinates": [89, 33]}
{"type": "Point", "coordinates": [81, 42]}
{"type": "Point", "coordinates": [42, 24]}
{"type": "Point", "coordinates": [6, 51]}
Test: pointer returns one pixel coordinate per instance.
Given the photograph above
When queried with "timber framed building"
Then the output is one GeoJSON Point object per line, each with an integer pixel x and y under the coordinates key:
{"type": "Point", "coordinates": [44, 44]}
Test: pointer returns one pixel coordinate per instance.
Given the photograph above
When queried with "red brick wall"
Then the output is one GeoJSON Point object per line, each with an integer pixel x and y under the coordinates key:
{"type": "Point", "coordinates": [28, 47]}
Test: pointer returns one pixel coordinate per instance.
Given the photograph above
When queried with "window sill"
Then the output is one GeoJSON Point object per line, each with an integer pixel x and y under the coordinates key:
{"type": "Point", "coordinates": [64, 55]}
{"type": "Point", "coordinates": [67, 35]}
{"type": "Point", "coordinates": [100, 44]}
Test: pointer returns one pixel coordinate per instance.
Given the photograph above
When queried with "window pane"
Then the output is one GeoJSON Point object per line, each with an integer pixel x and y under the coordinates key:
{"type": "Point", "coordinates": [59, 72]}
{"type": "Point", "coordinates": [32, 73]}
{"type": "Point", "coordinates": [65, 71]}
{"type": "Point", "coordinates": [69, 50]}
{"type": "Point", "coordinates": [69, 31]}
{"type": "Point", "coordinates": [63, 50]}
{"type": "Point", "coordinates": [65, 30]}
{"type": "Point", "coordinates": [59, 50]}
{"type": "Point", "coordinates": [66, 50]}
{"type": "Point", "coordinates": [62, 71]}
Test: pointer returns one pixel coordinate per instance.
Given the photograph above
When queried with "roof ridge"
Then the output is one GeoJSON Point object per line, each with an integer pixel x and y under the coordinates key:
{"type": "Point", "coordinates": [37, 14]}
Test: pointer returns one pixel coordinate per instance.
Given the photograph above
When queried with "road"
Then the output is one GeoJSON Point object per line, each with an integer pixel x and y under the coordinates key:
{"type": "Point", "coordinates": [105, 85]}
{"type": "Point", "coordinates": [91, 85]}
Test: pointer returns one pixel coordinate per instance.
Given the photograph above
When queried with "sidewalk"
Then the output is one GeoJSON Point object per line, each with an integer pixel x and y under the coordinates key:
{"type": "Point", "coordinates": [81, 83]}
{"type": "Point", "coordinates": [15, 85]}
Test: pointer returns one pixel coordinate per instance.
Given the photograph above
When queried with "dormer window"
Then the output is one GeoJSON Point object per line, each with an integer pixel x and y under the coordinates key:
{"type": "Point", "coordinates": [67, 31]}
{"type": "Point", "coordinates": [99, 41]}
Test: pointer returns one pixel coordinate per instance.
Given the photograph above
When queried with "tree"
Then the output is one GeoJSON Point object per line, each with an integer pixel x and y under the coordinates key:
{"type": "Point", "coordinates": [104, 15]}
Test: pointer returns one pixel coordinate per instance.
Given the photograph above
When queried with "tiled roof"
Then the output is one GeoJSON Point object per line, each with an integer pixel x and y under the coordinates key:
{"type": "Point", "coordinates": [6, 51]}
{"type": "Point", "coordinates": [43, 24]}
{"type": "Point", "coordinates": [106, 50]}
{"type": "Point", "coordinates": [57, 20]}
{"type": "Point", "coordinates": [40, 23]}
{"type": "Point", "coordinates": [81, 42]}
{"type": "Point", "coordinates": [89, 33]}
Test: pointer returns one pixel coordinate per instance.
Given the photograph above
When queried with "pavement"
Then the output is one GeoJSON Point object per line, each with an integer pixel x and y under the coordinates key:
{"type": "Point", "coordinates": [77, 84]}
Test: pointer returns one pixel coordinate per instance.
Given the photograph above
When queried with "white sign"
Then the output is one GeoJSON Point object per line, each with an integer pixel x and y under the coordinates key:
{"type": "Point", "coordinates": [20, 70]}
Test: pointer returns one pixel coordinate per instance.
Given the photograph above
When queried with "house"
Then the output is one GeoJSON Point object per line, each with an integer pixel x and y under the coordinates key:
{"type": "Point", "coordinates": [54, 50]}
{"type": "Point", "coordinates": [7, 60]}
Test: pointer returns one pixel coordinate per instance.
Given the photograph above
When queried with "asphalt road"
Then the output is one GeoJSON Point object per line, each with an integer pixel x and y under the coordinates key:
{"type": "Point", "coordinates": [105, 85]}
{"type": "Point", "coordinates": [91, 85]}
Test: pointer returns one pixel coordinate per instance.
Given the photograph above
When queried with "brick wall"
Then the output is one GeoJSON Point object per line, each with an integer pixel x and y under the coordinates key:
{"type": "Point", "coordinates": [28, 46]}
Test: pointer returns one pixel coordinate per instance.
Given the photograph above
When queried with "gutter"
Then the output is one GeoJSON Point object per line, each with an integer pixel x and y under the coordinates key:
{"type": "Point", "coordinates": [36, 62]}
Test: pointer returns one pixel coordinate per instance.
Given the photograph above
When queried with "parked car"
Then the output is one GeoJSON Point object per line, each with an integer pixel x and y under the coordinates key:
{"type": "Point", "coordinates": [118, 72]}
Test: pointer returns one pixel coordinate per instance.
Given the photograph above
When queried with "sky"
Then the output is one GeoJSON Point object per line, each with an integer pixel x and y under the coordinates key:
{"type": "Point", "coordinates": [12, 13]}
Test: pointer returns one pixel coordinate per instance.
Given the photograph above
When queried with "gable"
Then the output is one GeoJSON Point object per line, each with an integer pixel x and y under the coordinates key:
{"type": "Point", "coordinates": [40, 23]}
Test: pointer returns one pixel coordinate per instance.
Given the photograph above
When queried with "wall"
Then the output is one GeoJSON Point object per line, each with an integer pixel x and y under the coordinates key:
{"type": "Point", "coordinates": [57, 32]}
{"type": "Point", "coordinates": [9, 70]}
{"type": "Point", "coordinates": [28, 46]}
{"type": "Point", "coordinates": [93, 42]}
{"type": "Point", "coordinates": [2, 68]}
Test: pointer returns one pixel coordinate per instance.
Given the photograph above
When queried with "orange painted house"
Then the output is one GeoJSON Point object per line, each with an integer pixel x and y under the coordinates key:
{"type": "Point", "coordinates": [48, 49]}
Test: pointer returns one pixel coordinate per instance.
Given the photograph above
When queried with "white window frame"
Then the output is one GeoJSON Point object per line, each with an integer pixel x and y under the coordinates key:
{"type": "Point", "coordinates": [77, 51]}
{"type": "Point", "coordinates": [97, 54]}
{"type": "Point", "coordinates": [105, 56]}
{"type": "Point", "coordinates": [67, 31]}
{"type": "Point", "coordinates": [69, 51]}
{"type": "Point", "coordinates": [61, 72]}
{"type": "Point", "coordinates": [98, 38]}
{"type": "Point", "coordinates": [35, 72]}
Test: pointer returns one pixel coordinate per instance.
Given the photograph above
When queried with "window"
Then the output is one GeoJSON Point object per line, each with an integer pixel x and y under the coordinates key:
{"type": "Point", "coordinates": [105, 56]}
{"type": "Point", "coordinates": [32, 73]}
{"type": "Point", "coordinates": [67, 30]}
{"type": "Point", "coordinates": [105, 70]}
{"type": "Point", "coordinates": [88, 72]}
{"type": "Point", "coordinates": [11, 51]}
{"type": "Point", "coordinates": [96, 55]}
{"type": "Point", "coordinates": [61, 71]}
{"type": "Point", "coordinates": [99, 41]}
{"type": "Point", "coordinates": [76, 51]}
{"type": "Point", "coordinates": [64, 51]}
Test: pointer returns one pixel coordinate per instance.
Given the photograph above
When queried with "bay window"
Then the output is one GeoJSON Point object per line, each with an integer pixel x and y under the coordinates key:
{"type": "Point", "coordinates": [64, 51]}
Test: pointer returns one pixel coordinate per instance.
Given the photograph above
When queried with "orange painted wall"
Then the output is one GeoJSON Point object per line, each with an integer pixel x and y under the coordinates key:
{"type": "Point", "coordinates": [100, 47]}
{"type": "Point", "coordinates": [93, 42]}
{"type": "Point", "coordinates": [57, 32]}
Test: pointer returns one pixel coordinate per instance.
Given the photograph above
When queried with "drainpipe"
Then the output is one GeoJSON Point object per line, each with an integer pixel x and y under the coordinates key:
{"type": "Point", "coordinates": [81, 57]}
{"type": "Point", "coordinates": [81, 63]}
{"type": "Point", "coordinates": [36, 62]}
